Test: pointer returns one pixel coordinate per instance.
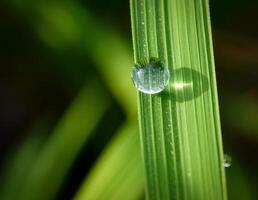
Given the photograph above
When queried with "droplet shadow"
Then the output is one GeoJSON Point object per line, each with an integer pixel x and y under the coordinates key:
{"type": "Point", "coordinates": [186, 84]}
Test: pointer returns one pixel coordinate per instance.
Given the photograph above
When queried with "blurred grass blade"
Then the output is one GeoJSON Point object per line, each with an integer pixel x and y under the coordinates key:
{"type": "Point", "coordinates": [180, 127]}
{"type": "Point", "coordinates": [63, 24]}
{"type": "Point", "coordinates": [70, 135]}
{"type": "Point", "coordinates": [118, 172]}
{"type": "Point", "coordinates": [19, 163]}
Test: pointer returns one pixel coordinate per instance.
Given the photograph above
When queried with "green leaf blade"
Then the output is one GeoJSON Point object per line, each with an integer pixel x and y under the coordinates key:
{"type": "Point", "coordinates": [180, 127]}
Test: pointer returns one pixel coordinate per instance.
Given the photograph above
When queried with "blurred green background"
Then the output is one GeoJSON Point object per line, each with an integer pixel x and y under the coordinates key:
{"type": "Point", "coordinates": [68, 108]}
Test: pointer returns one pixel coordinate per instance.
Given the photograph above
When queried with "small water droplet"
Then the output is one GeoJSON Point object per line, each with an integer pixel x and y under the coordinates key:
{"type": "Point", "coordinates": [227, 161]}
{"type": "Point", "coordinates": [150, 78]}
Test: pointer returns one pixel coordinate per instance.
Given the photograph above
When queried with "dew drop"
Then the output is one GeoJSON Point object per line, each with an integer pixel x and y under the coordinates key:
{"type": "Point", "coordinates": [150, 78]}
{"type": "Point", "coordinates": [227, 161]}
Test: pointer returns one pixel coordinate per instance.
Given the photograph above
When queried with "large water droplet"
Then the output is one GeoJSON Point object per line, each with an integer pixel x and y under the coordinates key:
{"type": "Point", "coordinates": [227, 161]}
{"type": "Point", "coordinates": [150, 78]}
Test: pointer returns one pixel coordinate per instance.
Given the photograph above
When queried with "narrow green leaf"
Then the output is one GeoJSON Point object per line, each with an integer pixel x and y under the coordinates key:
{"type": "Point", "coordinates": [180, 127]}
{"type": "Point", "coordinates": [18, 163]}
{"type": "Point", "coordinates": [118, 172]}
{"type": "Point", "coordinates": [57, 155]}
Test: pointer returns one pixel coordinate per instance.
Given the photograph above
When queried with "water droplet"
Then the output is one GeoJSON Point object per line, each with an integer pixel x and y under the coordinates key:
{"type": "Point", "coordinates": [150, 78]}
{"type": "Point", "coordinates": [227, 161]}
